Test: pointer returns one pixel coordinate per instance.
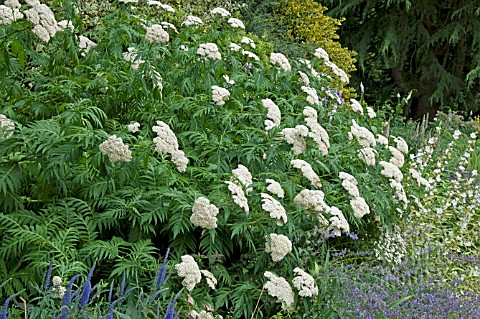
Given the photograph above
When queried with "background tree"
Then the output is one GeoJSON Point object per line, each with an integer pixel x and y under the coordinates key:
{"type": "Point", "coordinates": [429, 47]}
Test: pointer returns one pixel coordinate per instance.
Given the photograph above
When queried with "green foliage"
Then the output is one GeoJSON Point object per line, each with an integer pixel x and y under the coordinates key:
{"type": "Point", "coordinates": [430, 47]}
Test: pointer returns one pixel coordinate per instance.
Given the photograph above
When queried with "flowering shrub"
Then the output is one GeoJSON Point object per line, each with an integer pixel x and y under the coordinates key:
{"type": "Point", "coordinates": [214, 130]}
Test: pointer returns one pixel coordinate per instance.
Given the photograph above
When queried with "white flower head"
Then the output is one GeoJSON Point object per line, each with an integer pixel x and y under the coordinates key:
{"type": "Point", "coordinates": [238, 196]}
{"type": "Point", "coordinates": [304, 283]}
{"type": "Point", "coordinates": [211, 280]}
{"type": "Point", "coordinates": [228, 80]}
{"type": "Point", "coordinates": [192, 20]}
{"type": "Point", "coordinates": [220, 11]}
{"type": "Point", "coordinates": [364, 137]}
{"type": "Point", "coordinates": [167, 142]}
{"type": "Point", "coordinates": [312, 96]}
{"type": "Point", "coordinates": [338, 223]}
{"type": "Point", "coordinates": [275, 188]}
{"type": "Point", "coordinates": [278, 246]}
{"type": "Point", "coordinates": [397, 157]}
{"type": "Point", "coordinates": [278, 287]}
{"type": "Point", "coordinates": [371, 113]}
{"type": "Point", "coordinates": [275, 208]}
{"type": "Point", "coordinates": [307, 172]}
{"type": "Point", "coordinates": [57, 280]}
{"type": "Point", "coordinates": [356, 106]}
{"type": "Point", "coordinates": [359, 206]}
{"type": "Point", "coordinates": [250, 55]}
{"type": "Point", "coordinates": [134, 127]}
{"type": "Point", "coordinates": [204, 214]}
{"type": "Point", "coordinates": [85, 43]}
{"type": "Point", "coordinates": [132, 57]}
{"type": "Point", "coordinates": [349, 183]}
{"type": "Point", "coordinates": [189, 271]}
{"type": "Point", "coordinates": [368, 155]}
{"type": "Point", "coordinates": [321, 54]}
{"type": "Point", "coordinates": [317, 132]}
{"type": "Point", "coordinates": [313, 200]}
{"type": "Point", "coordinates": [236, 23]}
{"type": "Point", "coordinates": [209, 51]}
{"type": "Point", "coordinates": [273, 115]}
{"type": "Point", "coordinates": [382, 140]}
{"type": "Point", "coordinates": [235, 47]}
{"type": "Point", "coordinates": [115, 149]}
{"type": "Point", "coordinates": [391, 171]}
{"type": "Point", "coordinates": [248, 41]}
{"type": "Point", "coordinates": [296, 137]}
{"type": "Point", "coordinates": [219, 95]}
{"type": "Point", "coordinates": [281, 60]}
{"type": "Point", "coordinates": [402, 146]}
{"type": "Point", "coordinates": [156, 34]}
{"type": "Point", "coordinates": [304, 79]}
{"type": "Point", "coordinates": [65, 24]}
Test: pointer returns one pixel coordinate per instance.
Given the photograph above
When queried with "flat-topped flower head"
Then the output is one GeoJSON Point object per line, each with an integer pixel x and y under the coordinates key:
{"type": "Point", "coordinates": [156, 34]}
{"type": "Point", "coordinates": [307, 172]}
{"type": "Point", "coordinates": [275, 188]}
{"type": "Point", "coordinates": [278, 246]}
{"type": "Point", "coordinates": [273, 115]}
{"type": "Point", "coordinates": [304, 283]}
{"type": "Point", "coordinates": [275, 208]}
{"type": "Point", "coordinates": [204, 214]}
{"type": "Point", "coordinates": [221, 12]}
{"type": "Point", "coordinates": [115, 149]}
{"type": "Point", "coordinates": [209, 51]}
{"type": "Point", "coordinates": [236, 23]}
{"type": "Point", "coordinates": [189, 271]}
{"type": "Point", "coordinates": [219, 95]}
{"type": "Point", "coordinates": [192, 20]}
{"type": "Point", "coordinates": [7, 127]}
{"type": "Point", "coordinates": [281, 60]}
{"type": "Point", "coordinates": [278, 287]}
{"type": "Point", "coordinates": [247, 40]}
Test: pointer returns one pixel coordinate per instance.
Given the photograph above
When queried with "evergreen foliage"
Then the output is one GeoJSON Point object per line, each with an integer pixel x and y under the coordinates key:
{"type": "Point", "coordinates": [428, 47]}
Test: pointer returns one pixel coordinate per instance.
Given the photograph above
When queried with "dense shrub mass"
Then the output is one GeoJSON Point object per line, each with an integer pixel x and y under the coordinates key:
{"type": "Point", "coordinates": [152, 129]}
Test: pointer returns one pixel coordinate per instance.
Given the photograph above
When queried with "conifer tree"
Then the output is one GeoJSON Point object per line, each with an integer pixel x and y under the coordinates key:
{"type": "Point", "coordinates": [431, 47]}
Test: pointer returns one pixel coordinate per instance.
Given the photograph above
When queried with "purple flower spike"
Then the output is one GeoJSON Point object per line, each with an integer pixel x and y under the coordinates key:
{"type": "Point", "coordinates": [3, 314]}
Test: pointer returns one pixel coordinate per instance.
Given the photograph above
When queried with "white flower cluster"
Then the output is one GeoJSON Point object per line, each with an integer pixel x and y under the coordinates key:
{"type": "Point", "coordinates": [358, 204]}
{"type": "Point", "coordinates": [391, 171]}
{"type": "Point", "coordinates": [115, 149]}
{"type": "Point", "coordinates": [296, 137]}
{"type": "Point", "coordinates": [364, 137]}
{"type": "Point", "coordinates": [349, 183]}
{"type": "Point", "coordinates": [275, 188]}
{"type": "Point", "coordinates": [132, 57]}
{"type": "Point", "coordinates": [304, 283]}
{"type": "Point", "coordinates": [228, 80]}
{"type": "Point", "coordinates": [189, 271]}
{"type": "Point", "coordinates": [309, 66]}
{"type": "Point", "coordinates": [397, 157]}
{"type": "Point", "coordinates": [395, 176]}
{"type": "Point", "coordinates": [167, 142]}
{"type": "Point", "coordinates": [211, 280]}
{"type": "Point", "coordinates": [64, 24]}
{"type": "Point", "coordinates": [168, 25]}
{"type": "Point", "coordinates": [321, 54]}
{"type": "Point", "coordinates": [236, 23]}
{"type": "Point", "coordinates": [356, 106]}
{"type": "Point", "coordinates": [209, 51]}
{"type": "Point", "coordinates": [278, 246]}
{"type": "Point", "coordinates": [248, 41]}
{"type": "Point", "coordinates": [134, 127]}
{"type": "Point", "coordinates": [339, 72]}
{"type": "Point", "coordinates": [371, 113]}
{"type": "Point", "coordinates": [243, 179]}
{"type": "Point", "coordinates": [280, 288]}
{"type": "Point", "coordinates": [317, 132]}
{"type": "Point", "coordinates": [85, 44]}
{"type": "Point", "coordinates": [43, 19]}
{"type": "Point", "coordinates": [275, 208]}
{"type": "Point", "coordinates": [219, 95]}
{"type": "Point", "coordinates": [304, 79]}
{"type": "Point", "coordinates": [338, 223]}
{"type": "Point", "coordinates": [368, 155]}
{"type": "Point", "coordinates": [204, 314]}
{"type": "Point", "coordinates": [281, 60]}
{"type": "Point", "coordinates": [235, 47]}
{"type": "Point", "coordinates": [391, 247]}
{"type": "Point", "coordinates": [165, 7]}
{"type": "Point", "coordinates": [204, 214]}
{"type": "Point", "coordinates": [307, 172]}
{"type": "Point", "coordinates": [58, 291]}
{"type": "Point", "coordinates": [313, 200]}
{"type": "Point", "coordinates": [312, 96]}
{"type": "Point", "coordinates": [156, 34]}
{"type": "Point", "coordinates": [382, 140]}
{"type": "Point", "coordinates": [10, 12]}
{"type": "Point", "coordinates": [192, 20]}
{"type": "Point", "coordinates": [249, 54]}
{"type": "Point", "coordinates": [220, 11]}
{"type": "Point", "coordinates": [273, 115]}
{"type": "Point", "coordinates": [402, 146]}
{"type": "Point", "coordinates": [7, 127]}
